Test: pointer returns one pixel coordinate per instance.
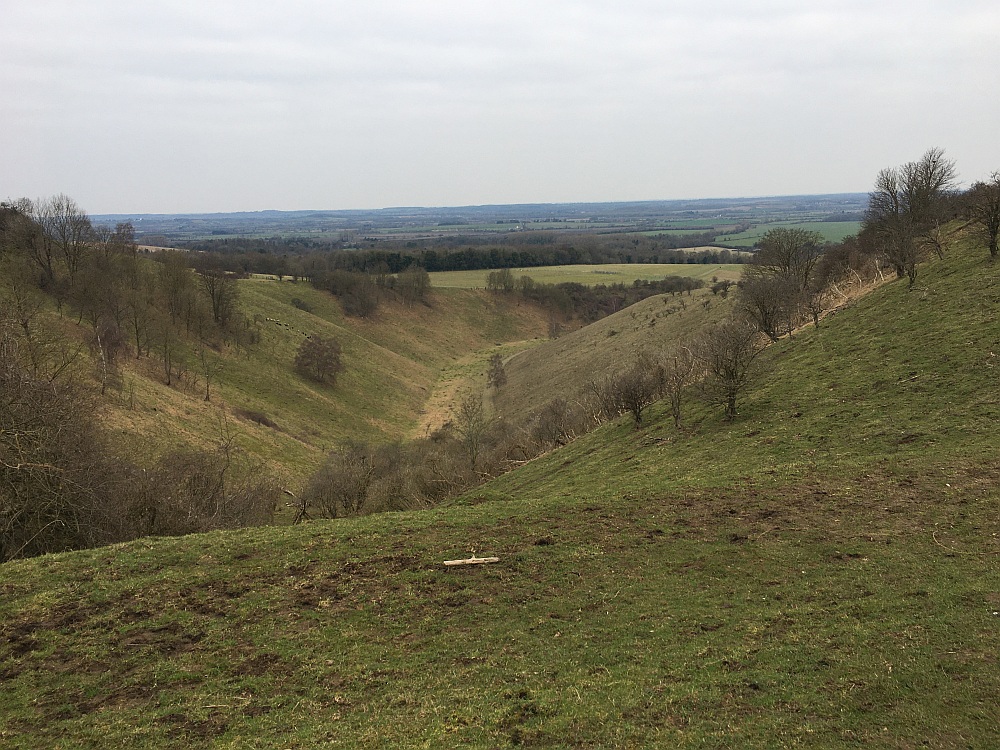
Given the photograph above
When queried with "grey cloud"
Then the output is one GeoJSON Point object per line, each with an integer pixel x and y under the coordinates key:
{"type": "Point", "coordinates": [471, 101]}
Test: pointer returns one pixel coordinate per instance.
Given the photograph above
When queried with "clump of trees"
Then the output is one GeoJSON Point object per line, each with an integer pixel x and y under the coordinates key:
{"type": "Point", "coordinates": [906, 211]}
{"type": "Point", "coordinates": [360, 293]}
{"type": "Point", "coordinates": [781, 280]}
{"type": "Point", "coordinates": [132, 306]}
{"type": "Point", "coordinates": [299, 257]}
{"type": "Point", "coordinates": [64, 484]}
{"type": "Point", "coordinates": [569, 300]}
{"type": "Point", "coordinates": [412, 284]}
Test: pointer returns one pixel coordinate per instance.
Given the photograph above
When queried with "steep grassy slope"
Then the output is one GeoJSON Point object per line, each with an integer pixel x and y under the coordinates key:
{"type": "Point", "coordinates": [898, 377]}
{"type": "Point", "coordinates": [823, 572]}
{"type": "Point", "coordinates": [539, 371]}
{"type": "Point", "coordinates": [392, 364]}
{"type": "Point", "coordinates": [563, 367]}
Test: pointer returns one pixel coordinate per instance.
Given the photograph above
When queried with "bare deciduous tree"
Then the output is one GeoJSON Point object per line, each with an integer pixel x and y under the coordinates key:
{"type": "Point", "coordinates": [906, 209]}
{"type": "Point", "coordinates": [680, 369]}
{"type": "Point", "coordinates": [51, 460]}
{"type": "Point", "coordinates": [211, 367]}
{"type": "Point", "coordinates": [629, 390]}
{"type": "Point", "coordinates": [558, 422]}
{"type": "Point", "coordinates": [983, 208]}
{"type": "Point", "coordinates": [222, 293]}
{"type": "Point", "coordinates": [119, 240]}
{"type": "Point", "coordinates": [109, 344]}
{"type": "Point", "coordinates": [639, 386]}
{"type": "Point", "coordinates": [176, 284]}
{"type": "Point", "coordinates": [22, 233]}
{"type": "Point", "coordinates": [788, 253]}
{"type": "Point", "coordinates": [471, 425]}
{"type": "Point", "coordinates": [203, 490]}
{"type": "Point", "coordinates": [770, 301]}
{"type": "Point", "coordinates": [42, 349]}
{"type": "Point", "coordinates": [496, 375]}
{"type": "Point", "coordinates": [67, 228]}
{"type": "Point", "coordinates": [776, 283]}
{"type": "Point", "coordinates": [728, 352]}
{"type": "Point", "coordinates": [319, 358]}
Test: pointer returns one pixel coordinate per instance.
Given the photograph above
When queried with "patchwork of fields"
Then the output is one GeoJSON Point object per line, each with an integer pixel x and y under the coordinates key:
{"type": "Point", "coordinates": [831, 231]}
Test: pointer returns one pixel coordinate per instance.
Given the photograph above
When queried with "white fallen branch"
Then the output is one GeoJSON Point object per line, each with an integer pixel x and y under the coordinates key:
{"type": "Point", "coordinates": [472, 561]}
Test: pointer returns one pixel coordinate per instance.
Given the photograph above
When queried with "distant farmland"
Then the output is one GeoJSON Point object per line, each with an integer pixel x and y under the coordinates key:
{"type": "Point", "coordinates": [610, 273]}
{"type": "Point", "coordinates": [831, 231]}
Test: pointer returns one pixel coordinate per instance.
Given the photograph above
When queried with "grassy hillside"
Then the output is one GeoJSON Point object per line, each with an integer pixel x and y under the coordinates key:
{"type": "Point", "coordinates": [539, 371]}
{"type": "Point", "coordinates": [564, 366]}
{"type": "Point", "coordinates": [821, 572]}
{"type": "Point", "coordinates": [392, 364]}
{"type": "Point", "coordinates": [898, 377]}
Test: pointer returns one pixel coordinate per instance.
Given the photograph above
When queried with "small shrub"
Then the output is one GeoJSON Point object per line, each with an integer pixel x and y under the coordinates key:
{"type": "Point", "coordinates": [256, 416]}
{"type": "Point", "coordinates": [319, 358]}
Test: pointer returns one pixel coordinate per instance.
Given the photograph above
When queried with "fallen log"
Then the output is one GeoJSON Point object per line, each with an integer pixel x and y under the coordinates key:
{"type": "Point", "coordinates": [472, 561]}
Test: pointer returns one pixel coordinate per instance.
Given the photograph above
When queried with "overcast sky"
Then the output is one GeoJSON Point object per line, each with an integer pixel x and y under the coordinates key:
{"type": "Point", "coordinates": [211, 105]}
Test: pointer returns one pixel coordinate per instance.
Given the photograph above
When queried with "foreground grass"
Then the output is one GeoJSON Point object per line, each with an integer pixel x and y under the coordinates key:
{"type": "Point", "coordinates": [823, 572]}
{"type": "Point", "coordinates": [823, 614]}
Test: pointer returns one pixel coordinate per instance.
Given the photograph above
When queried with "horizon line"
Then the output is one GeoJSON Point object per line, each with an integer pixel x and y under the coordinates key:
{"type": "Point", "coordinates": [481, 205]}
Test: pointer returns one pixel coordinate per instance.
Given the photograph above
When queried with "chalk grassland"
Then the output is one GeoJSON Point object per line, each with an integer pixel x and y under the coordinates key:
{"type": "Point", "coordinates": [392, 364]}
{"type": "Point", "coordinates": [820, 573]}
{"type": "Point", "coordinates": [540, 370]}
{"type": "Point", "coordinates": [563, 367]}
{"type": "Point", "coordinates": [591, 275]}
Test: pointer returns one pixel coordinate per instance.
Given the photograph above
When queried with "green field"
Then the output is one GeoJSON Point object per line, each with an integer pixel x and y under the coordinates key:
{"type": "Point", "coordinates": [831, 231]}
{"type": "Point", "coordinates": [610, 273]}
